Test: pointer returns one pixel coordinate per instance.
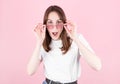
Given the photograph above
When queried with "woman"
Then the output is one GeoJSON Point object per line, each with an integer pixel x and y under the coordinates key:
{"type": "Point", "coordinates": [60, 48]}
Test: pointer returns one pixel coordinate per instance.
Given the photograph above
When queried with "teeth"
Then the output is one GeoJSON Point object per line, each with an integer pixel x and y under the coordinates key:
{"type": "Point", "coordinates": [54, 33]}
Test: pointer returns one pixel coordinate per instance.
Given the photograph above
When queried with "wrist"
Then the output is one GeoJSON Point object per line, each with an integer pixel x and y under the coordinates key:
{"type": "Point", "coordinates": [75, 38]}
{"type": "Point", "coordinates": [39, 42]}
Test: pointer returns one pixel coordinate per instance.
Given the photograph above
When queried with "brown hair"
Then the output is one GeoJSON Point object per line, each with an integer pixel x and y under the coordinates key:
{"type": "Point", "coordinates": [65, 39]}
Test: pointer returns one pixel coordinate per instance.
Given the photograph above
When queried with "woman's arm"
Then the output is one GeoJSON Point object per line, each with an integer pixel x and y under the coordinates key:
{"type": "Point", "coordinates": [89, 56]}
{"type": "Point", "coordinates": [34, 60]}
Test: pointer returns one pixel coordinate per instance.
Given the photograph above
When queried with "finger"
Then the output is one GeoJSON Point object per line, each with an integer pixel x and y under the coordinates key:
{"type": "Point", "coordinates": [34, 30]}
{"type": "Point", "coordinates": [68, 26]}
{"type": "Point", "coordinates": [39, 26]}
{"type": "Point", "coordinates": [65, 26]}
{"type": "Point", "coordinates": [71, 23]}
{"type": "Point", "coordinates": [44, 28]}
{"type": "Point", "coordinates": [35, 27]}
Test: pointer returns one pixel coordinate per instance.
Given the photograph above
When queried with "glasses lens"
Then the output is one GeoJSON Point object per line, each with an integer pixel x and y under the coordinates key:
{"type": "Point", "coordinates": [59, 24]}
{"type": "Point", "coordinates": [50, 26]}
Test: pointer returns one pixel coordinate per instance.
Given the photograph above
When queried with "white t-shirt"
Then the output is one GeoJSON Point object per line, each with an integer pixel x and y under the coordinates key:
{"type": "Point", "coordinates": [63, 67]}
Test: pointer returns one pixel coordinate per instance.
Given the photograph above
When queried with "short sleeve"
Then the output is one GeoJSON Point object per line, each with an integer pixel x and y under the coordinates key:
{"type": "Point", "coordinates": [84, 42]}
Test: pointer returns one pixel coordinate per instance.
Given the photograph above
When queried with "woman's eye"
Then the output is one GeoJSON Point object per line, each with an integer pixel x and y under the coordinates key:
{"type": "Point", "coordinates": [49, 22]}
{"type": "Point", "coordinates": [59, 22]}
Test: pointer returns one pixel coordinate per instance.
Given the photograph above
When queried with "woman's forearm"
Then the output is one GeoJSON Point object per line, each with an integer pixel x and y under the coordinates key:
{"type": "Point", "coordinates": [89, 56]}
{"type": "Point", "coordinates": [34, 60]}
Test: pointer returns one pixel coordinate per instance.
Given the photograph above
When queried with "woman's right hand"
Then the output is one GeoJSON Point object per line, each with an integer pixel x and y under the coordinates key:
{"type": "Point", "coordinates": [40, 30]}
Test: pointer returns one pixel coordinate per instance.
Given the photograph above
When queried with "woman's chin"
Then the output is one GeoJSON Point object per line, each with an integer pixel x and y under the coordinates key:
{"type": "Point", "coordinates": [55, 37]}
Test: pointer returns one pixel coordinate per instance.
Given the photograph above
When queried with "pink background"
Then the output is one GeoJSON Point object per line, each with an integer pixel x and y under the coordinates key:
{"type": "Point", "coordinates": [97, 20]}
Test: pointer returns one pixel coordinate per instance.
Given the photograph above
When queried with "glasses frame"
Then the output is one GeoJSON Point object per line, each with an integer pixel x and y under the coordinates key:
{"type": "Point", "coordinates": [59, 24]}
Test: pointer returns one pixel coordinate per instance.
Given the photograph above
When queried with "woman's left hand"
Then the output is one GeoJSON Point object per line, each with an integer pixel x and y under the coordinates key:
{"type": "Point", "coordinates": [70, 28]}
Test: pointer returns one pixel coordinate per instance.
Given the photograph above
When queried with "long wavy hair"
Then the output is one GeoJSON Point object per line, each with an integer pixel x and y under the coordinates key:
{"type": "Point", "coordinates": [66, 41]}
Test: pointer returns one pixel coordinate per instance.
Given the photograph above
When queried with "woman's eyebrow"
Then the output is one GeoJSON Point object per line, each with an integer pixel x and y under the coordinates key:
{"type": "Point", "coordinates": [56, 20]}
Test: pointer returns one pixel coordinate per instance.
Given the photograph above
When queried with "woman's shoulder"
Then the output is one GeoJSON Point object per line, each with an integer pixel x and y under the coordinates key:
{"type": "Point", "coordinates": [80, 35]}
{"type": "Point", "coordinates": [81, 38]}
{"type": "Point", "coordinates": [84, 41]}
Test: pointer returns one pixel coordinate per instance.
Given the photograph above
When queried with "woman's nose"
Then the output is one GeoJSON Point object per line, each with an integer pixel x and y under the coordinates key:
{"type": "Point", "coordinates": [54, 26]}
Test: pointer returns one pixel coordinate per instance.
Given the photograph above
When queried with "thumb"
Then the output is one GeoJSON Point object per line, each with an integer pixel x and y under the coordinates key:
{"type": "Point", "coordinates": [65, 26]}
{"type": "Point", "coordinates": [67, 30]}
{"type": "Point", "coordinates": [44, 28]}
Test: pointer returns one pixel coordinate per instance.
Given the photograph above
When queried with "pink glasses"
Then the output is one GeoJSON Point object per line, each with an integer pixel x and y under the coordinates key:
{"type": "Point", "coordinates": [59, 24]}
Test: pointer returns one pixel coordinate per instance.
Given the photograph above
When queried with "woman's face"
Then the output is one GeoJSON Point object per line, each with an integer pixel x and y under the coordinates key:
{"type": "Point", "coordinates": [54, 25]}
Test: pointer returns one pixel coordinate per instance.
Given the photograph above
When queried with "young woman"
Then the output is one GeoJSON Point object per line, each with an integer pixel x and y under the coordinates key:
{"type": "Point", "coordinates": [60, 48]}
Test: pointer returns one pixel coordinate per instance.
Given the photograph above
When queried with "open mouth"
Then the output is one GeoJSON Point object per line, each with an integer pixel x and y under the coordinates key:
{"type": "Point", "coordinates": [54, 33]}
